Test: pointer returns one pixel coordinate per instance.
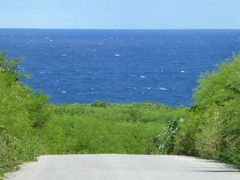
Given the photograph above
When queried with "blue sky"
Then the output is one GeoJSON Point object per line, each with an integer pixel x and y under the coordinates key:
{"type": "Point", "coordinates": [120, 14]}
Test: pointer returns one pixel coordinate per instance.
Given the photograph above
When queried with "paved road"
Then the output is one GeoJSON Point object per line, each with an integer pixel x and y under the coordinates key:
{"type": "Point", "coordinates": [123, 167]}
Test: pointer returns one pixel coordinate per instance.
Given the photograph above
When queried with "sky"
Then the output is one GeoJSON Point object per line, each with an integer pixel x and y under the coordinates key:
{"type": "Point", "coordinates": [120, 14]}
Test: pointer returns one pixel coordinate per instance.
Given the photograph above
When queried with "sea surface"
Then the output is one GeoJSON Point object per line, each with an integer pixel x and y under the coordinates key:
{"type": "Point", "coordinates": [81, 66]}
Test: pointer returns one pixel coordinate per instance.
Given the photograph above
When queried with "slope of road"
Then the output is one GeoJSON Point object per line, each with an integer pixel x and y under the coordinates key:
{"type": "Point", "coordinates": [123, 167]}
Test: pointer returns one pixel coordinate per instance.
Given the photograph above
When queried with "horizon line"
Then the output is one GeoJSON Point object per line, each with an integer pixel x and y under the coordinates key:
{"type": "Point", "coordinates": [23, 28]}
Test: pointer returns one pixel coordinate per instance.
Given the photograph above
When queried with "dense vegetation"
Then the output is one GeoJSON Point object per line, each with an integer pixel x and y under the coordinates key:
{"type": "Point", "coordinates": [107, 128]}
{"type": "Point", "coordinates": [22, 114]}
{"type": "Point", "coordinates": [30, 126]}
{"type": "Point", "coordinates": [211, 127]}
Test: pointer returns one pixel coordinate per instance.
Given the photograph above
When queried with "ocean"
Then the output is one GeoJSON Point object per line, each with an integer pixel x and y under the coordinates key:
{"type": "Point", "coordinates": [120, 66]}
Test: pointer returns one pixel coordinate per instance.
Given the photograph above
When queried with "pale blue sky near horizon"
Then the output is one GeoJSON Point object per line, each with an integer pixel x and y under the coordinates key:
{"type": "Point", "coordinates": [120, 14]}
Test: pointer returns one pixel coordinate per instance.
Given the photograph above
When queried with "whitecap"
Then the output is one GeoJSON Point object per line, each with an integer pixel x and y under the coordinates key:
{"type": "Point", "coordinates": [50, 40]}
{"type": "Point", "coordinates": [163, 89]}
{"type": "Point", "coordinates": [148, 88]}
{"type": "Point", "coordinates": [142, 76]}
{"type": "Point", "coordinates": [64, 92]}
{"type": "Point", "coordinates": [117, 55]}
{"type": "Point", "coordinates": [182, 71]}
{"type": "Point", "coordinates": [64, 55]}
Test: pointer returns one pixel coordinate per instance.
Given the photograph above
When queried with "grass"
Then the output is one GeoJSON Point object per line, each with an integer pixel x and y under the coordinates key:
{"type": "Point", "coordinates": [116, 128]}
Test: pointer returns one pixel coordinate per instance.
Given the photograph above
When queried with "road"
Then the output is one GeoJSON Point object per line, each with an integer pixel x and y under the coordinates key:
{"type": "Point", "coordinates": [123, 167]}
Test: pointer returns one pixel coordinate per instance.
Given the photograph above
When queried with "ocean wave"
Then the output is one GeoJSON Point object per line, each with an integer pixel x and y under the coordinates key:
{"type": "Point", "coordinates": [163, 89]}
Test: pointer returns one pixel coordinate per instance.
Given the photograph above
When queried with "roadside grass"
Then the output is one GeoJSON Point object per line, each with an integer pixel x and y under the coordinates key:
{"type": "Point", "coordinates": [116, 128]}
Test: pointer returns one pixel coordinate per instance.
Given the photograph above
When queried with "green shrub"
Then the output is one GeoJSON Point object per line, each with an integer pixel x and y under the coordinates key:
{"type": "Point", "coordinates": [218, 98]}
{"type": "Point", "coordinates": [100, 104]}
{"type": "Point", "coordinates": [220, 86]}
{"type": "Point", "coordinates": [186, 137]}
{"type": "Point", "coordinates": [211, 128]}
{"type": "Point", "coordinates": [20, 110]}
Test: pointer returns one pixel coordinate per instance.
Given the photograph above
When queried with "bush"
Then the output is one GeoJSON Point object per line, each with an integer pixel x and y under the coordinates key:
{"type": "Point", "coordinates": [218, 99]}
{"type": "Point", "coordinates": [20, 110]}
{"type": "Point", "coordinates": [100, 104]}
{"type": "Point", "coordinates": [211, 127]}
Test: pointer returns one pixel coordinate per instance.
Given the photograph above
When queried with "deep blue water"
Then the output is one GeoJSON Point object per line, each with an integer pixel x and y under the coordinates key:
{"type": "Point", "coordinates": [81, 66]}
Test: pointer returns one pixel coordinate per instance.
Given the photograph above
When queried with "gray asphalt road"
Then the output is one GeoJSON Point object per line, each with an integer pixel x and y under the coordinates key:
{"type": "Point", "coordinates": [123, 167]}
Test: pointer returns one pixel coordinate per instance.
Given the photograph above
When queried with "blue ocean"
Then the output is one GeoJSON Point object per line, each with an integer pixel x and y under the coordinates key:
{"type": "Point", "coordinates": [81, 66]}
